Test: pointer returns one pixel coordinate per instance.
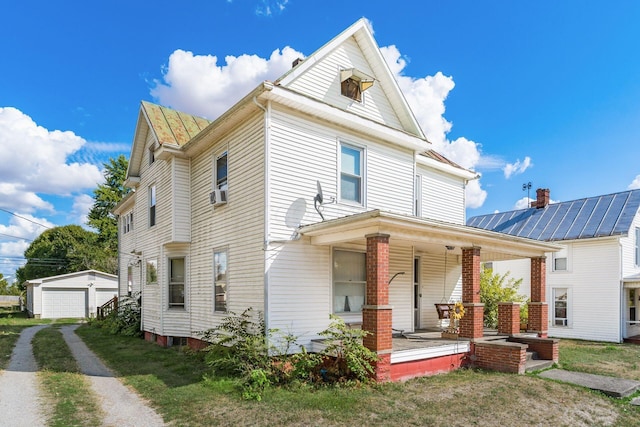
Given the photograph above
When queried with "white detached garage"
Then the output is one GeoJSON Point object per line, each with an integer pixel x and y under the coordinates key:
{"type": "Point", "coordinates": [70, 295]}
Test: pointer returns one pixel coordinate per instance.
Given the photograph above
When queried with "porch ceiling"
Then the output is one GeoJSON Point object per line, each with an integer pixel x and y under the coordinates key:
{"type": "Point", "coordinates": [424, 234]}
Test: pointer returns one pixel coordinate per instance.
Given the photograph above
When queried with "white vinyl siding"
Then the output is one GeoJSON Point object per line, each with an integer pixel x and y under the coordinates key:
{"type": "Point", "coordinates": [304, 152]}
{"type": "Point", "coordinates": [401, 288]}
{"type": "Point", "coordinates": [239, 227]}
{"type": "Point", "coordinates": [637, 246]}
{"type": "Point", "coordinates": [442, 196]}
{"type": "Point", "coordinates": [437, 287]}
{"type": "Point", "coordinates": [181, 201]}
{"type": "Point", "coordinates": [322, 82]}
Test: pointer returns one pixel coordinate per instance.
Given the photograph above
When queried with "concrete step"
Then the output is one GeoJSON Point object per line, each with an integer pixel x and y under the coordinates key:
{"type": "Point", "coordinates": [532, 355]}
{"type": "Point", "coordinates": [537, 365]}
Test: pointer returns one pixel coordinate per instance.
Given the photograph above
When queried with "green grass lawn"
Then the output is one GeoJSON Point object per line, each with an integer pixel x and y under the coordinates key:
{"type": "Point", "coordinates": [618, 360]}
{"type": "Point", "coordinates": [68, 392]}
{"type": "Point", "coordinates": [172, 381]}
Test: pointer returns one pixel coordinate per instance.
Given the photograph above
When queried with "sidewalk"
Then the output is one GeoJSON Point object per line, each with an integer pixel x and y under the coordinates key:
{"type": "Point", "coordinates": [611, 386]}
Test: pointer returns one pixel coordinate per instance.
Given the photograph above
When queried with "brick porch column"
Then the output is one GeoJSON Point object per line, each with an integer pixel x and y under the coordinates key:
{"type": "Point", "coordinates": [538, 308]}
{"type": "Point", "coordinates": [471, 325]}
{"type": "Point", "coordinates": [509, 318]}
{"type": "Point", "coordinates": [376, 314]}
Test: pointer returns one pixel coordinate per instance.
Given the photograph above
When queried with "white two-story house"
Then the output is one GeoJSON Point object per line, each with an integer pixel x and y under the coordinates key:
{"type": "Point", "coordinates": [593, 282]}
{"type": "Point", "coordinates": [294, 201]}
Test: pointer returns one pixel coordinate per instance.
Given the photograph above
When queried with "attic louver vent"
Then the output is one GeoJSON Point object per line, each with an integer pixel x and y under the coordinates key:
{"type": "Point", "coordinates": [354, 82]}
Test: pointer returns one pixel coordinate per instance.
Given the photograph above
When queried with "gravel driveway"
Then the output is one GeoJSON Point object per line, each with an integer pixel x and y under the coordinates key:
{"type": "Point", "coordinates": [22, 405]}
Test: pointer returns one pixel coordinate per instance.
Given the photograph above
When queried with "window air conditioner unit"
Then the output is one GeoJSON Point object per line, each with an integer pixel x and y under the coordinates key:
{"type": "Point", "coordinates": [218, 197]}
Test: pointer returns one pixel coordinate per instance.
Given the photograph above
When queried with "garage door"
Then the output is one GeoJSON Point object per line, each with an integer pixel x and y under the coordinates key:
{"type": "Point", "coordinates": [57, 303]}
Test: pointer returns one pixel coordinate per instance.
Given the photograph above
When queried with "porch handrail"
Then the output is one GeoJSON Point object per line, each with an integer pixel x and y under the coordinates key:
{"type": "Point", "coordinates": [105, 309]}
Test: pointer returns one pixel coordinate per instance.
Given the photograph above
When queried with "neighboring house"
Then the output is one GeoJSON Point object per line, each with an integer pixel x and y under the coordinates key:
{"type": "Point", "coordinates": [593, 283]}
{"type": "Point", "coordinates": [223, 216]}
{"type": "Point", "coordinates": [70, 295]}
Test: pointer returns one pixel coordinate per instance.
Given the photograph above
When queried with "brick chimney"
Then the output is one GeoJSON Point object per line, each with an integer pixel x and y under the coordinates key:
{"type": "Point", "coordinates": [542, 198]}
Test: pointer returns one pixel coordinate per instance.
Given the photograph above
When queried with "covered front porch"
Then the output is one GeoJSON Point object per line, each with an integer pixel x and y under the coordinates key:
{"type": "Point", "coordinates": [381, 232]}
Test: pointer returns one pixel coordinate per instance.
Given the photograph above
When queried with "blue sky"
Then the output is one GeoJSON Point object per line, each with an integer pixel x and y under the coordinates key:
{"type": "Point", "coordinates": [543, 92]}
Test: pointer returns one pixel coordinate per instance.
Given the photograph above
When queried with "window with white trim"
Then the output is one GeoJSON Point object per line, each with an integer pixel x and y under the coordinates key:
{"type": "Point", "coordinates": [152, 271]}
{"type": "Point", "coordinates": [220, 280]}
{"type": "Point", "coordinates": [152, 206]}
{"type": "Point", "coordinates": [351, 173]}
{"type": "Point", "coordinates": [349, 281]}
{"type": "Point", "coordinates": [417, 200]}
{"type": "Point", "coordinates": [129, 279]}
{"type": "Point", "coordinates": [220, 171]}
{"type": "Point", "coordinates": [176, 282]}
{"type": "Point", "coordinates": [560, 307]}
{"type": "Point", "coordinates": [638, 246]}
{"type": "Point", "coordinates": [127, 223]}
{"type": "Point", "coordinates": [152, 154]}
{"type": "Point", "coordinates": [561, 260]}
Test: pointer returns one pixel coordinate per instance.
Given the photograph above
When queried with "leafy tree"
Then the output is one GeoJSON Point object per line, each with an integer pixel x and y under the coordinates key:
{"type": "Point", "coordinates": [7, 288]}
{"type": "Point", "coordinates": [62, 250]}
{"type": "Point", "coordinates": [106, 196]}
{"type": "Point", "coordinates": [494, 289]}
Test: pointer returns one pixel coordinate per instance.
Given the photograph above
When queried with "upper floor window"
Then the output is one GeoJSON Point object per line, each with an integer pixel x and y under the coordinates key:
{"type": "Point", "coordinates": [176, 282]}
{"type": "Point", "coordinates": [417, 202]}
{"type": "Point", "coordinates": [561, 260]}
{"type": "Point", "coordinates": [353, 83]}
{"type": "Point", "coordinates": [221, 171]}
{"type": "Point", "coordinates": [351, 167]}
{"type": "Point", "coordinates": [638, 246]}
{"type": "Point", "coordinates": [152, 206]}
{"type": "Point", "coordinates": [152, 154]}
{"type": "Point", "coordinates": [127, 223]}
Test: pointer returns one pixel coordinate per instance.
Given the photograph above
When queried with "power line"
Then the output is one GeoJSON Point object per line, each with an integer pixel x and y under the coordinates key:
{"type": "Point", "coordinates": [16, 237]}
{"type": "Point", "coordinates": [26, 219]}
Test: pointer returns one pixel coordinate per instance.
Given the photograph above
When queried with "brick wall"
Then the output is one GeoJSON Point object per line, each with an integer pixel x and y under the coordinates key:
{"type": "Point", "coordinates": [538, 279]}
{"type": "Point", "coordinates": [503, 357]}
{"type": "Point", "coordinates": [547, 348]}
{"type": "Point", "coordinates": [538, 318]}
{"type": "Point", "coordinates": [472, 324]}
{"type": "Point", "coordinates": [471, 275]}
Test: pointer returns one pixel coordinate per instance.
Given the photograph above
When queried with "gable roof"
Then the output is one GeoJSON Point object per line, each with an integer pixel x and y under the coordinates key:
{"type": "Point", "coordinates": [68, 275]}
{"type": "Point", "coordinates": [168, 126]}
{"type": "Point", "coordinates": [600, 216]}
{"type": "Point", "coordinates": [363, 35]}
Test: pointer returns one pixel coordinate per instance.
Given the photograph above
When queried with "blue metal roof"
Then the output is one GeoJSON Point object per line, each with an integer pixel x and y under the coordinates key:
{"type": "Point", "coordinates": [600, 216]}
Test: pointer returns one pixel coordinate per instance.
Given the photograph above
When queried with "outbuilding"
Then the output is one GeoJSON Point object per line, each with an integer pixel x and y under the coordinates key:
{"type": "Point", "coordinates": [74, 295]}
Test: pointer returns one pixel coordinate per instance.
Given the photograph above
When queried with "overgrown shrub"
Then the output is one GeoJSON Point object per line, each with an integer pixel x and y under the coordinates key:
{"type": "Point", "coordinates": [494, 289]}
{"type": "Point", "coordinates": [346, 357]}
{"type": "Point", "coordinates": [241, 346]}
{"type": "Point", "coordinates": [125, 320]}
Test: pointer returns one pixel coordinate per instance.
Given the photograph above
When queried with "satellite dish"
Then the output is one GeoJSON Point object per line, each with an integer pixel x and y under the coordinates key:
{"type": "Point", "coordinates": [318, 199]}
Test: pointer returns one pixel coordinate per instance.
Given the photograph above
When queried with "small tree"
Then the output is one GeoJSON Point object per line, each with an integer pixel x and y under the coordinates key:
{"type": "Point", "coordinates": [494, 289]}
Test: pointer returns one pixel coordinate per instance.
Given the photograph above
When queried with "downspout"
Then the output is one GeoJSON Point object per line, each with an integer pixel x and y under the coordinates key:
{"type": "Point", "coordinates": [621, 313]}
{"type": "Point", "coordinates": [267, 131]}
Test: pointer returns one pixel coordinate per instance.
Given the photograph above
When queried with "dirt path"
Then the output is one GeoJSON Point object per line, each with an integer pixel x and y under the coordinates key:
{"type": "Point", "coordinates": [20, 400]}
{"type": "Point", "coordinates": [122, 406]}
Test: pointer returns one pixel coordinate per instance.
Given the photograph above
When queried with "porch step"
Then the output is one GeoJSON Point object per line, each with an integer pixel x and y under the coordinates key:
{"type": "Point", "coordinates": [535, 364]}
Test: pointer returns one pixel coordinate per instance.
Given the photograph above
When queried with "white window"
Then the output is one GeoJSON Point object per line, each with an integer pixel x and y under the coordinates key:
{"type": "Point", "coordinates": [152, 271]}
{"type": "Point", "coordinates": [638, 246]}
{"type": "Point", "coordinates": [220, 280]}
{"type": "Point", "coordinates": [152, 155]}
{"type": "Point", "coordinates": [127, 223]}
{"type": "Point", "coordinates": [561, 260]}
{"type": "Point", "coordinates": [351, 169]}
{"type": "Point", "coordinates": [417, 202]}
{"type": "Point", "coordinates": [152, 206]}
{"type": "Point", "coordinates": [349, 281]}
{"type": "Point", "coordinates": [129, 279]}
{"type": "Point", "coordinates": [176, 282]}
{"type": "Point", "coordinates": [560, 307]}
{"type": "Point", "coordinates": [220, 171]}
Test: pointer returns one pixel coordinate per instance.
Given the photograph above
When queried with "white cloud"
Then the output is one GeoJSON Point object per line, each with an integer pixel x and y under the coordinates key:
{"type": "Point", "coordinates": [198, 85]}
{"type": "Point", "coordinates": [35, 160]}
{"type": "Point", "coordinates": [269, 7]}
{"type": "Point", "coordinates": [517, 168]}
{"type": "Point", "coordinates": [426, 98]}
{"type": "Point", "coordinates": [82, 204]}
{"type": "Point", "coordinates": [523, 203]}
{"type": "Point", "coordinates": [635, 183]}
